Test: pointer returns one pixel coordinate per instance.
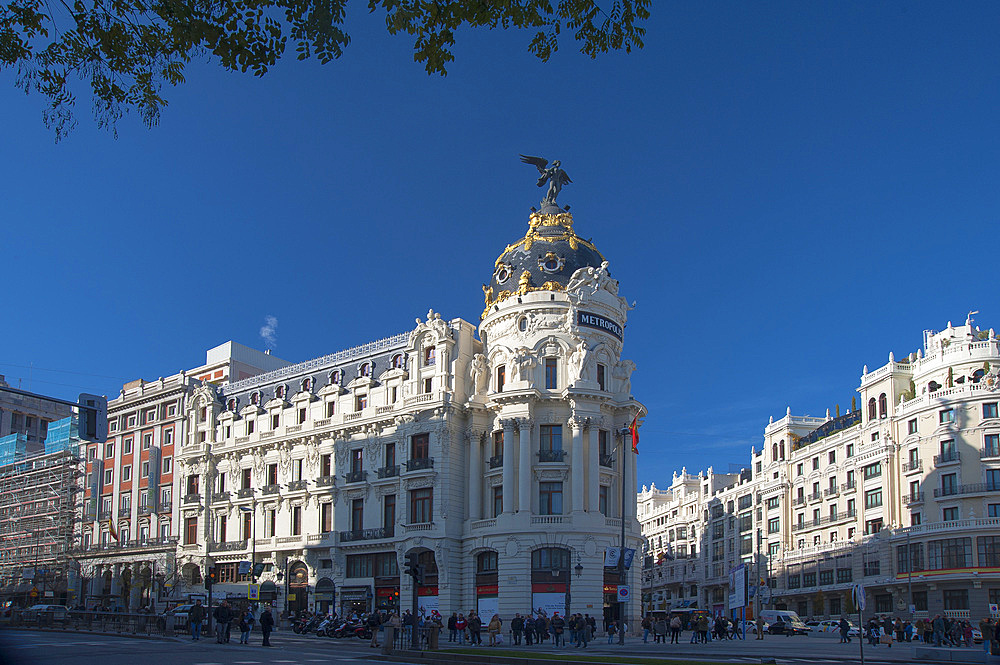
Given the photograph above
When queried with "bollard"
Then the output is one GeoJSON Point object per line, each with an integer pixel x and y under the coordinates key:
{"type": "Point", "coordinates": [432, 637]}
{"type": "Point", "coordinates": [389, 638]}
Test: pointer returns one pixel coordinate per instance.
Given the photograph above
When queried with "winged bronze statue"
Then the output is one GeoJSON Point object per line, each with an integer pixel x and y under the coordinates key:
{"type": "Point", "coordinates": [555, 176]}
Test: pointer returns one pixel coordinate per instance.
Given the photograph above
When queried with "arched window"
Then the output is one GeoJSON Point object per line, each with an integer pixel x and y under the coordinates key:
{"type": "Point", "coordinates": [774, 451]}
{"type": "Point", "coordinates": [307, 384]}
{"type": "Point", "coordinates": [255, 398]}
{"type": "Point", "coordinates": [231, 404]}
{"type": "Point", "coordinates": [336, 376]}
{"type": "Point", "coordinates": [781, 449]}
{"type": "Point", "coordinates": [871, 409]}
{"type": "Point", "coordinates": [550, 558]}
{"type": "Point", "coordinates": [397, 361]}
{"type": "Point", "coordinates": [279, 392]}
{"type": "Point", "coordinates": [883, 406]}
{"type": "Point", "coordinates": [365, 370]}
{"type": "Point", "coordinates": [486, 562]}
{"type": "Point", "coordinates": [429, 355]}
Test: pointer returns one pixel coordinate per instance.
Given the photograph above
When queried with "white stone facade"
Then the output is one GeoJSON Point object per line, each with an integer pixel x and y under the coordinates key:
{"type": "Point", "coordinates": [835, 500]}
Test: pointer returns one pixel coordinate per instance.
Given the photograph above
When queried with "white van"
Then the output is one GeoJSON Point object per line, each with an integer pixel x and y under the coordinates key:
{"type": "Point", "coordinates": [788, 622]}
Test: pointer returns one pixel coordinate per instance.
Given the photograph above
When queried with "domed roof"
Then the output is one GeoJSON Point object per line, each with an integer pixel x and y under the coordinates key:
{"type": "Point", "coordinates": [543, 260]}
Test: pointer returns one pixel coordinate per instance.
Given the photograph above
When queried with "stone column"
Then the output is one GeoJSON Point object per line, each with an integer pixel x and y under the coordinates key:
{"type": "Point", "coordinates": [509, 460]}
{"type": "Point", "coordinates": [593, 469]}
{"type": "Point", "coordinates": [576, 426]}
{"type": "Point", "coordinates": [526, 446]}
{"type": "Point", "coordinates": [475, 474]}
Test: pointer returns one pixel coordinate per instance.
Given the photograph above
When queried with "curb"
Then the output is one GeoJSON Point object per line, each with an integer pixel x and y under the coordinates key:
{"type": "Point", "coordinates": [70, 631]}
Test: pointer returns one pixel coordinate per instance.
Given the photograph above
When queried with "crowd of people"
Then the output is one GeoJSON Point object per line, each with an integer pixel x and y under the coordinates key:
{"type": "Point", "coordinates": [532, 628]}
{"type": "Point", "coordinates": [940, 631]}
{"type": "Point", "coordinates": [227, 618]}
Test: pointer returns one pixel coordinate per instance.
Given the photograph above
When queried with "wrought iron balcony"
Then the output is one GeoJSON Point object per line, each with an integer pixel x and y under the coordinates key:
{"type": "Point", "coordinates": [165, 507]}
{"type": "Point", "coordinates": [125, 511]}
{"type": "Point", "coordinates": [551, 455]}
{"type": "Point", "coordinates": [418, 463]}
{"type": "Point", "coordinates": [355, 476]}
{"type": "Point", "coordinates": [231, 545]}
{"type": "Point", "coordinates": [364, 534]}
{"type": "Point", "coordinates": [145, 510]}
{"type": "Point", "coordinates": [496, 461]}
{"type": "Point", "coordinates": [298, 485]}
{"type": "Point", "coordinates": [244, 493]}
{"type": "Point", "coordinates": [848, 486]}
{"type": "Point", "coordinates": [831, 491]}
{"type": "Point", "coordinates": [947, 458]}
{"type": "Point", "coordinates": [913, 497]}
{"type": "Point", "coordinates": [972, 488]}
{"type": "Point", "coordinates": [270, 489]}
{"type": "Point", "coordinates": [326, 481]}
{"type": "Point", "coordinates": [192, 498]}
{"type": "Point", "coordinates": [606, 460]}
{"type": "Point", "coordinates": [221, 496]}
{"type": "Point", "coordinates": [798, 501]}
{"type": "Point", "coordinates": [913, 465]}
{"type": "Point", "coordinates": [990, 451]}
{"type": "Point", "coordinates": [388, 471]}
{"type": "Point", "coordinates": [815, 496]}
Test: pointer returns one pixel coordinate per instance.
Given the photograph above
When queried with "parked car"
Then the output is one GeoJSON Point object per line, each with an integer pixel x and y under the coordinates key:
{"type": "Point", "coordinates": [45, 613]}
{"type": "Point", "coordinates": [785, 622]}
{"type": "Point", "coordinates": [751, 627]}
{"type": "Point", "coordinates": [180, 615]}
{"type": "Point", "coordinates": [977, 636]}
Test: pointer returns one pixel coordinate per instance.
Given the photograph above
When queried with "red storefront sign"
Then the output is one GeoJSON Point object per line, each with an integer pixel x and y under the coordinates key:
{"type": "Point", "coordinates": [427, 591]}
{"type": "Point", "coordinates": [488, 590]}
{"type": "Point", "coordinates": [611, 588]}
{"type": "Point", "coordinates": [386, 591]}
{"type": "Point", "coordinates": [548, 588]}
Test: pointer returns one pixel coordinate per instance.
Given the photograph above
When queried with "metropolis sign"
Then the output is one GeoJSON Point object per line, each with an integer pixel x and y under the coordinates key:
{"type": "Point", "coordinates": [594, 321]}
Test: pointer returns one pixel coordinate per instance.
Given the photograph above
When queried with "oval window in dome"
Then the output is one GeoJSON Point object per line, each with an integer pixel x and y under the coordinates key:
{"type": "Point", "coordinates": [502, 274]}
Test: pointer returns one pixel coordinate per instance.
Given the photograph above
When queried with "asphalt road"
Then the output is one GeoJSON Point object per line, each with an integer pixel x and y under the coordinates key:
{"type": "Point", "coordinates": [21, 647]}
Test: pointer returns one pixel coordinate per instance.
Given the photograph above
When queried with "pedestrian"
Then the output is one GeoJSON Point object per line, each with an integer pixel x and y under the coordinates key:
{"type": "Point", "coordinates": [703, 629]}
{"type": "Point", "coordinates": [245, 627]}
{"type": "Point", "coordinates": [760, 627]}
{"type": "Point", "coordinates": [516, 628]}
{"type": "Point", "coordinates": [989, 631]}
{"type": "Point", "coordinates": [529, 629]}
{"type": "Point", "coordinates": [452, 630]}
{"type": "Point", "coordinates": [493, 629]}
{"type": "Point", "coordinates": [592, 622]}
{"type": "Point", "coordinates": [460, 626]}
{"type": "Point", "coordinates": [612, 627]}
{"type": "Point", "coordinates": [582, 631]}
{"type": "Point", "coordinates": [675, 630]}
{"type": "Point", "coordinates": [845, 631]}
{"type": "Point", "coordinates": [196, 615]}
{"type": "Point", "coordinates": [475, 629]}
{"type": "Point", "coordinates": [373, 625]}
{"type": "Point", "coordinates": [660, 630]}
{"type": "Point", "coordinates": [222, 619]}
{"type": "Point", "coordinates": [647, 627]}
{"type": "Point", "coordinates": [558, 626]}
{"type": "Point", "coordinates": [266, 625]}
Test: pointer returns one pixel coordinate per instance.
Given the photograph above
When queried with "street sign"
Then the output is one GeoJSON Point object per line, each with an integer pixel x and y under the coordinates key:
{"type": "Point", "coordinates": [34, 592]}
{"type": "Point", "coordinates": [253, 592]}
{"type": "Point", "coordinates": [994, 610]}
{"type": "Point", "coordinates": [858, 594]}
{"type": "Point", "coordinates": [244, 568]}
{"type": "Point", "coordinates": [623, 593]}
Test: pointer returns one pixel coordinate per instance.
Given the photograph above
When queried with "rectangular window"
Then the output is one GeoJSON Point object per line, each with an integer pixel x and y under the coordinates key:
{"type": "Point", "coordinates": [389, 513]}
{"type": "Point", "coordinates": [550, 499]}
{"type": "Point", "coordinates": [844, 575]}
{"type": "Point", "coordinates": [296, 520]}
{"type": "Point", "coordinates": [956, 599]}
{"type": "Point", "coordinates": [949, 554]}
{"type": "Point", "coordinates": [272, 474]}
{"type": "Point", "coordinates": [989, 410]}
{"type": "Point", "coordinates": [421, 506]}
{"type": "Point", "coordinates": [949, 484]}
{"type": "Point", "coordinates": [331, 409]}
{"type": "Point", "coordinates": [270, 523]}
{"type": "Point", "coordinates": [992, 479]}
{"type": "Point", "coordinates": [815, 463]}
{"type": "Point", "coordinates": [297, 469]}
{"type": "Point", "coordinates": [911, 426]}
{"type": "Point", "coordinates": [144, 469]}
{"type": "Point", "coordinates": [873, 498]}
{"type": "Point", "coordinates": [385, 564]}
{"type": "Point", "coordinates": [275, 420]}
{"type": "Point", "coordinates": [946, 416]}
{"type": "Point", "coordinates": [798, 469]}
{"type": "Point", "coordinates": [873, 526]}
{"type": "Point", "coordinates": [772, 502]}
{"type": "Point", "coordinates": [949, 514]}
{"type": "Point", "coordinates": [356, 461]}
{"type": "Point", "coordinates": [832, 457]}
{"type": "Point", "coordinates": [325, 517]}
{"type": "Point", "coordinates": [497, 500]}
{"type": "Point", "coordinates": [551, 382]}
{"type": "Point", "coordinates": [428, 385]}
{"type": "Point", "coordinates": [250, 427]}
{"type": "Point", "coordinates": [904, 557]}
{"type": "Point", "coordinates": [420, 446]}
{"type": "Point", "coordinates": [550, 437]}
{"type": "Point", "coordinates": [325, 466]}
{"type": "Point", "coordinates": [850, 450]}
{"type": "Point", "coordinates": [191, 531]}
{"type": "Point", "coordinates": [601, 384]}
{"type": "Point", "coordinates": [126, 473]}
{"type": "Point", "coordinates": [167, 464]}
{"type": "Point", "coordinates": [991, 445]}
{"type": "Point", "coordinates": [360, 402]}
{"type": "Point", "coordinates": [222, 529]}
{"type": "Point", "coordinates": [501, 376]}
{"type": "Point", "coordinates": [360, 565]}
{"type": "Point", "coordinates": [127, 446]}
{"type": "Point", "coordinates": [873, 566]}
{"type": "Point", "coordinates": [245, 478]}
{"type": "Point", "coordinates": [794, 582]}
{"type": "Point", "coordinates": [147, 440]}
{"type": "Point", "coordinates": [993, 510]}
{"type": "Point", "coordinates": [808, 579]}
{"type": "Point", "coordinates": [302, 415]}
{"type": "Point", "coordinates": [108, 475]}
{"type": "Point", "coordinates": [602, 500]}
{"type": "Point", "coordinates": [109, 451]}
{"type": "Point", "coordinates": [390, 454]}
{"type": "Point", "coordinates": [873, 470]}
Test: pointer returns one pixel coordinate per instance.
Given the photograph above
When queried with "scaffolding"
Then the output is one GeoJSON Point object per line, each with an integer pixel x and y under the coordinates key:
{"type": "Point", "coordinates": [39, 487]}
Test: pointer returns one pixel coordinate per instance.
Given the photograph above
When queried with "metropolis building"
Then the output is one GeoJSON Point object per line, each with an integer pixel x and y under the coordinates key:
{"type": "Point", "coordinates": [491, 451]}
{"type": "Point", "coordinates": [900, 494]}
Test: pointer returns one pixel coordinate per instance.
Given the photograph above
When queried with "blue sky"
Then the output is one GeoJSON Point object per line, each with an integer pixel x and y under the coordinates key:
{"type": "Point", "coordinates": [789, 191]}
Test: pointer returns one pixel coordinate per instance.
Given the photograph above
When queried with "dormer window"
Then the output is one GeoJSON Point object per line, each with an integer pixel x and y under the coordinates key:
{"type": "Point", "coordinates": [307, 384]}
{"type": "Point", "coordinates": [397, 361]}
{"type": "Point", "coordinates": [336, 377]}
{"type": "Point", "coordinates": [365, 370]}
{"type": "Point", "coordinates": [429, 355]}
{"type": "Point", "coordinates": [231, 404]}
{"type": "Point", "coordinates": [255, 399]}
{"type": "Point", "coordinates": [279, 392]}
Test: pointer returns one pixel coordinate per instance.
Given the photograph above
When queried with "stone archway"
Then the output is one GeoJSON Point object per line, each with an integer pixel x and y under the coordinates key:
{"type": "Point", "coordinates": [298, 587]}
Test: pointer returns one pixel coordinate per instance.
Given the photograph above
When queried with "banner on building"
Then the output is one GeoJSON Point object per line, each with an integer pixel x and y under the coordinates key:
{"type": "Point", "coordinates": [738, 587]}
{"type": "Point", "coordinates": [612, 555]}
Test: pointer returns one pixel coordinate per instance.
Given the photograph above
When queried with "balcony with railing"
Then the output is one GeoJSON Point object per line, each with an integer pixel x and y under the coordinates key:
{"type": "Point", "coordinates": [220, 496]}
{"type": "Point", "coordinates": [355, 535]}
{"type": "Point", "coordinates": [607, 461]}
{"type": "Point", "coordinates": [244, 493]}
{"type": "Point", "coordinates": [823, 521]}
{"type": "Point", "coordinates": [913, 497]}
{"type": "Point", "coordinates": [355, 476]}
{"type": "Point", "coordinates": [124, 511]}
{"type": "Point", "coordinates": [913, 466]}
{"type": "Point", "coordinates": [989, 451]}
{"type": "Point", "coordinates": [326, 481]}
{"type": "Point", "coordinates": [145, 510]}
{"type": "Point", "coordinates": [815, 496]}
{"type": "Point", "coordinates": [230, 546]}
{"type": "Point", "coordinates": [831, 491]}
{"type": "Point", "coordinates": [950, 457]}
{"type": "Point", "coordinates": [972, 488]}
{"type": "Point", "coordinates": [495, 462]}
{"type": "Point", "coordinates": [799, 501]}
{"type": "Point", "coordinates": [388, 471]}
{"type": "Point", "coordinates": [419, 463]}
{"type": "Point", "coordinates": [551, 455]}
{"type": "Point", "coordinates": [170, 542]}
{"type": "Point", "coordinates": [273, 488]}
{"type": "Point", "coordinates": [192, 498]}
{"type": "Point", "coordinates": [846, 487]}
{"type": "Point", "coordinates": [165, 507]}
{"type": "Point", "coordinates": [296, 485]}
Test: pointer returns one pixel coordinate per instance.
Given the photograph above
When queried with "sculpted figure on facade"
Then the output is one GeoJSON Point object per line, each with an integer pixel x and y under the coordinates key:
{"type": "Point", "coordinates": [622, 371]}
{"type": "Point", "coordinates": [524, 360]}
{"type": "Point", "coordinates": [479, 373]}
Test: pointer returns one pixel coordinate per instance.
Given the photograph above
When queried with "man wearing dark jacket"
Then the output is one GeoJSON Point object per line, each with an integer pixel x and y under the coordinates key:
{"type": "Point", "coordinates": [222, 617]}
{"type": "Point", "coordinates": [516, 627]}
{"type": "Point", "coordinates": [195, 616]}
{"type": "Point", "coordinates": [266, 625]}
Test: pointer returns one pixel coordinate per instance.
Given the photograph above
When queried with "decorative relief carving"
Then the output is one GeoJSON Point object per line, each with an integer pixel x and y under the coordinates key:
{"type": "Point", "coordinates": [512, 548]}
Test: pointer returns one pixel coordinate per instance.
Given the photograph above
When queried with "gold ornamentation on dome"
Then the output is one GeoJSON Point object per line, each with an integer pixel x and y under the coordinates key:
{"type": "Point", "coordinates": [524, 284]}
{"type": "Point", "coordinates": [563, 219]}
{"type": "Point", "coordinates": [551, 286]}
{"type": "Point", "coordinates": [488, 293]}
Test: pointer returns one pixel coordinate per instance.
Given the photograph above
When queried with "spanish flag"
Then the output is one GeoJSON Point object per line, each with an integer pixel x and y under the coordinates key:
{"type": "Point", "coordinates": [634, 429]}
{"type": "Point", "coordinates": [112, 530]}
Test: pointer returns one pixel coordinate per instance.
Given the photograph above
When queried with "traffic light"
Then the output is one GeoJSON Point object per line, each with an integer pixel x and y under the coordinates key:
{"type": "Point", "coordinates": [93, 417]}
{"type": "Point", "coordinates": [413, 567]}
{"type": "Point", "coordinates": [210, 578]}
